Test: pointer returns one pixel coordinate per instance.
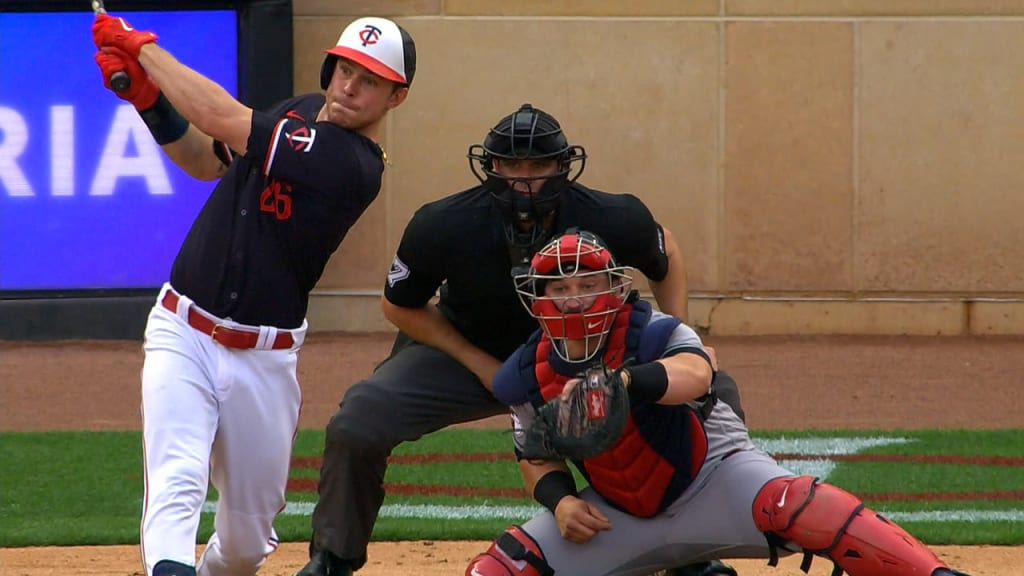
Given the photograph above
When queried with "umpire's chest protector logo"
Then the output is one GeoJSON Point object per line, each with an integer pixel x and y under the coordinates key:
{"type": "Point", "coordinates": [399, 271]}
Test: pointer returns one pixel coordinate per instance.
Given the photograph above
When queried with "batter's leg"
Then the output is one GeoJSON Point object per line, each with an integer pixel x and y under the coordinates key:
{"type": "Point", "coordinates": [418, 390]}
{"type": "Point", "coordinates": [179, 416]}
{"type": "Point", "coordinates": [259, 398]}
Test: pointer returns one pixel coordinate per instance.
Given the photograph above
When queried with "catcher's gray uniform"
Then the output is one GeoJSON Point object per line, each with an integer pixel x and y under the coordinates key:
{"type": "Point", "coordinates": [681, 483]}
{"type": "Point", "coordinates": [711, 519]}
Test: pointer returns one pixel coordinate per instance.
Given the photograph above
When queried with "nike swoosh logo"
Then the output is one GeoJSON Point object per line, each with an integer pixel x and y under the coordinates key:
{"type": "Point", "coordinates": [593, 325]}
{"type": "Point", "coordinates": [475, 573]}
{"type": "Point", "coordinates": [782, 500]}
{"type": "Point", "coordinates": [125, 25]}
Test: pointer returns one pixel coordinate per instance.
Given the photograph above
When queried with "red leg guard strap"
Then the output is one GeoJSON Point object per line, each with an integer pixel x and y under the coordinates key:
{"type": "Point", "coordinates": [514, 553]}
{"type": "Point", "coordinates": [827, 521]}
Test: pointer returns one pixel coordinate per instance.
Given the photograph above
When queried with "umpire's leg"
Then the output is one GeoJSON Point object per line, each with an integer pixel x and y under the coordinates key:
{"type": "Point", "coordinates": [418, 390]}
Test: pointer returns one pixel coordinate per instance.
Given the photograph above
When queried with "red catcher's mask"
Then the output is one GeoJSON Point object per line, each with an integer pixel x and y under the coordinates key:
{"type": "Point", "coordinates": [574, 288]}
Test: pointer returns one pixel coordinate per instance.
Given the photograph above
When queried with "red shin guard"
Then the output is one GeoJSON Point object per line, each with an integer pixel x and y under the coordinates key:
{"type": "Point", "coordinates": [514, 553]}
{"type": "Point", "coordinates": [827, 521]}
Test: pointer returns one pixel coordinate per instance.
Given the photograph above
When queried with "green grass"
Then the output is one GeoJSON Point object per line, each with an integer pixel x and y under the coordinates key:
{"type": "Point", "coordinates": [63, 488]}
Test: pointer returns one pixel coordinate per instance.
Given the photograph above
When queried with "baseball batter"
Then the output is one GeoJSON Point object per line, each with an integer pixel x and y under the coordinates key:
{"type": "Point", "coordinates": [683, 482]}
{"type": "Point", "coordinates": [439, 372]}
{"type": "Point", "coordinates": [220, 397]}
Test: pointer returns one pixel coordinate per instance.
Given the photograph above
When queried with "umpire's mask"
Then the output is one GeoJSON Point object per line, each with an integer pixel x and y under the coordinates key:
{"type": "Point", "coordinates": [526, 134]}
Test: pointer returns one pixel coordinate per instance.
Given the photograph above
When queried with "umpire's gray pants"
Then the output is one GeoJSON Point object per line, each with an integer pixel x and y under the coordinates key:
{"type": "Point", "coordinates": [417, 390]}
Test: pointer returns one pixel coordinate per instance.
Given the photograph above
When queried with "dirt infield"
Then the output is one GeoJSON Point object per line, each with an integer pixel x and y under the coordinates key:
{"type": "Point", "coordinates": [423, 558]}
{"type": "Point", "coordinates": [787, 383]}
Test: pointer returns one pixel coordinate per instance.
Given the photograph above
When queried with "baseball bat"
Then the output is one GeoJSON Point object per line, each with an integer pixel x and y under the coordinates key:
{"type": "Point", "coordinates": [119, 81]}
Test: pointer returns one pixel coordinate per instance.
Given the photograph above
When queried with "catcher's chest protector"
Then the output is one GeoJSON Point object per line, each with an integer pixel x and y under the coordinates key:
{"type": "Point", "coordinates": [632, 475]}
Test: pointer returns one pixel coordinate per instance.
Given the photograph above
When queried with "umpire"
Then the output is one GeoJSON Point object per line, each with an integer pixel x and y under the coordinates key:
{"type": "Point", "coordinates": [445, 356]}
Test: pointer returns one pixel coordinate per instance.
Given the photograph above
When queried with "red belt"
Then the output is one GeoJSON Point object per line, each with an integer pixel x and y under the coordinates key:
{"type": "Point", "coordinates": [221, 333]}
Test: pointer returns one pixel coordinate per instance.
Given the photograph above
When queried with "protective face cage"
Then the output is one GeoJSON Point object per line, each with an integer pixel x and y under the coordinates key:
{"type": "Point", "coordinates": [528, 133]}
{"type": "Point", "coordinates": [581, 255]}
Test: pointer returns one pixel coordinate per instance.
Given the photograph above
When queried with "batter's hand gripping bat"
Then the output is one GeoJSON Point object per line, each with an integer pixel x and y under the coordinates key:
{"type": "Point", "coordinates": [119, 81]}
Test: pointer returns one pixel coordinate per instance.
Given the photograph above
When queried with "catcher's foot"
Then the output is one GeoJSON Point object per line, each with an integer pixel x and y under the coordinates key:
{"type": "Point", "coordinates": [712, 568]}
{"type": "Point", "coordinates": [323, 563]}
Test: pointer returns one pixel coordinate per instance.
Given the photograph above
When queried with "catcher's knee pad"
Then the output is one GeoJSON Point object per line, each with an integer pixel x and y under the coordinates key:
{"type": "Point", "coordinates": [827, 521]}
{"type": "Point", "coordinates": [514, 553]}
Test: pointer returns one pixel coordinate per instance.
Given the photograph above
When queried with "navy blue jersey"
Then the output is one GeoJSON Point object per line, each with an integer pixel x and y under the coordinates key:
{"type": "Point", "coordinates": [457, 244]}
{"type": "Point", "coordinates": [261, 241]}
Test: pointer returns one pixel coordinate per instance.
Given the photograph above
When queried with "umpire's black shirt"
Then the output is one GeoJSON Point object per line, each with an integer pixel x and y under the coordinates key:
{"type": "Point", "coordinates": [459, 241]}
{"type": "Point", "coordinates": [261, 241]}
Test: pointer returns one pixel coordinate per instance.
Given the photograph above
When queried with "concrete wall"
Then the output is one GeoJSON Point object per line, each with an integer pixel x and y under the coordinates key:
{"type": "Point", "coordinates": [849, 166]}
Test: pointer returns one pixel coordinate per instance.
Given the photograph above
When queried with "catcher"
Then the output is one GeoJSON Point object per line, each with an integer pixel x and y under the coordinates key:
{"type": "Point", "coordinates": [626, 394]}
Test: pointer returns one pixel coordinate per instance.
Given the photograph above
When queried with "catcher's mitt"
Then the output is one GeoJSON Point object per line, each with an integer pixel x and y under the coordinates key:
{"type": "Point", "coordinates": [587, 423]}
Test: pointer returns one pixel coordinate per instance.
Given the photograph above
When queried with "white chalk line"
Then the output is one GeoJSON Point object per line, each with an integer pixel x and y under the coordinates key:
{"type": "Point", "coordinates": [815, 446]}
{"type": "Point", "coordinates": [519, 513]}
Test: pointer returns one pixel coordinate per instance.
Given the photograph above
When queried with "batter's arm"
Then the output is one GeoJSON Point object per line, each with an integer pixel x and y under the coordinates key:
{"type": "Point", "coordinates": [203, 102]}
{"type": "Point", "coordinates": [193, 152]}
{"type": "Point", "coordinates": [428, 326]}
{"type": "Point", "coordinates": [671, 291]}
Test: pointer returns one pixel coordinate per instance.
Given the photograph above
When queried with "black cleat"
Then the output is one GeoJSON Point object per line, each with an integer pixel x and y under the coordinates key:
{"type": "Point", "coordinates": [948, 572]}
{"type": "Point", "coordinates": [323, 563]}
{"type": "Point", "coordinates": [171, 568]}
{"type": "Point", "coordinates": [712, 568]}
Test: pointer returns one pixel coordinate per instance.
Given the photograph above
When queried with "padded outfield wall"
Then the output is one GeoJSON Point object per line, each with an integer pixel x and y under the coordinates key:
{"type": "Point", "coordinates": [845, 166]}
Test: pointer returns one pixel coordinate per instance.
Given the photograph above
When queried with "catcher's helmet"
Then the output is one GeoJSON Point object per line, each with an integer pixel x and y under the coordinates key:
{"type": "Point", "coordinates": [583, 311]}
{"type": "Point", "coordinates": [527, 133]}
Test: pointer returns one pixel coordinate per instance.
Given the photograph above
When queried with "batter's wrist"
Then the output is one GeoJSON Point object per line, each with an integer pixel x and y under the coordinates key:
{"type": "Point", "coordinates": [165, 123]}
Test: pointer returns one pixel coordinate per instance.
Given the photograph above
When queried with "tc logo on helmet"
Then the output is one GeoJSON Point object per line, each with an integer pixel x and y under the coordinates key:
{"type": "Point", "coordinates": [370, 34]}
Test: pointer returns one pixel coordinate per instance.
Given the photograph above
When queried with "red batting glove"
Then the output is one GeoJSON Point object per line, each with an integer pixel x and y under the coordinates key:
{"type": "Point", "coordinates": [110, 31]}
{"type": "Point", "coordinates": [143, 92]}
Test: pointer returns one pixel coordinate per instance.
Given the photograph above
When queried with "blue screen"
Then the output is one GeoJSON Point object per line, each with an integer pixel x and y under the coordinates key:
{"type": "Point", "coordinates": [88, 200]}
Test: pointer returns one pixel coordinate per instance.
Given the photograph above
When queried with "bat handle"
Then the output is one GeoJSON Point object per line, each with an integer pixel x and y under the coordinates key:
{"type": "Point", "coordinates": [120, 81]}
